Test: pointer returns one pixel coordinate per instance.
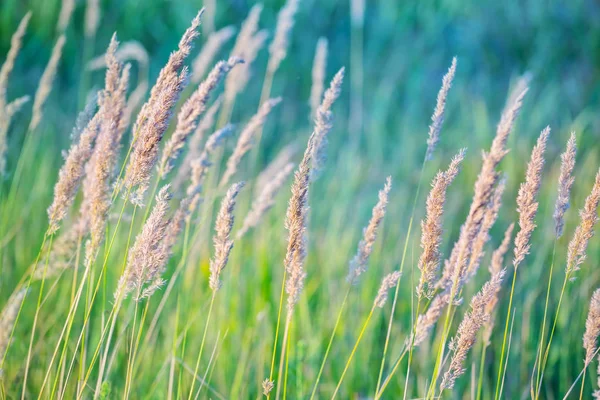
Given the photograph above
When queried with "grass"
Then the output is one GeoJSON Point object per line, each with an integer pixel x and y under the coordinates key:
{"type": "Point", "coordinates": [180, 343]}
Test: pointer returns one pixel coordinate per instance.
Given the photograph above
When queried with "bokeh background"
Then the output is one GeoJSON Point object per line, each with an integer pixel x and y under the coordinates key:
{"type": "Point", "coordinates": [395, 54]}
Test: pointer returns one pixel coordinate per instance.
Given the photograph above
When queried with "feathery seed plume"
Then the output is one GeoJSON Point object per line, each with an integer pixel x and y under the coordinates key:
{"type": "Point", "coordinates": [359, 263]}
{"type": "Point", "coordinates": [295, 223]}
{"type": "Point", "coordinates": [456, 267]}
{"type": "Point", "coordinates": [154, 117]}
{"type": "Point", "coordinates": [246, 140]}
{"type": "Point", "coordinates": [489, 220]}
{"type": "Point", "coordinates": [585, 230]}
{"type": "Point", "coordinates": [468, 328]}
{"type": "Point", "coordinates": [127, 51]}
{"type": "Point", "coordinates": [97, 185]}
{"type": "Point", "coordinates": [213, 44]}
{"type": "Point", "coordinates": [45, 85]}
{"type": "Point", "coordinates": [265, 200]}
{"type": "Point", "coordinates": [389, 282]}
{"type": "Point", "coordinates": [189, 113]}
{"type": "Point", "coordinates": [592, 328]}
{"type": "Point", "coordinates": [71, 175]}
{"type": "Point", "coordinates": [426, 321]}
{"type": "Point", "coordinates": [431, 226]}
{"type": "Point", "coordinates": [565, 182]}
{"type": "Point", "coordinates": [437, 119]}
{"type": "Point", "coordinates": [147, 258]}
{"type": "Point", "coordinates": [324, 123]}
{"type": "Point", "coordinates": [222, 240]}
{"type": "Point", "coordinates": [195, 145]}
{"type": "Point", "coordinates": [285, 24]}
{"type": "Point", "coordinates": [318, 76]}
{"type": "Point", "coordinates": [527, 203]}
{"type": "Point", "coordinates": [268, 386]}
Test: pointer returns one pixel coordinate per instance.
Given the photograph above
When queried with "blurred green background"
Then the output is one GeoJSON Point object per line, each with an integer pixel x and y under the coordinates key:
{"type": "Point", "coordinates": [395, 59]}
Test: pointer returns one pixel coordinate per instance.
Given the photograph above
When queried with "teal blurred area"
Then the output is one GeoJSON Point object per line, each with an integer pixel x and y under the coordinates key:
{"type": "Point", "coordinates": [407, 47]}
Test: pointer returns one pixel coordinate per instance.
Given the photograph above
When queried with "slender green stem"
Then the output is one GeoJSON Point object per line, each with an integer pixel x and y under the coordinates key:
{"type": "Point", "coordinates": [277, 327]}
{"type": "Point", "coordinates": [445, 333]}
{"type": "Point", "coordinates": [582, 383]}
{"type": "Point", "coordinates": [212, 301]}
{"type": "Point", "coordinates": [29, 274]}
{"type": "Point", "coordinates": [542, 334]}
{"type": "Point", "coordinates": [287, 364]}
{"type": "Point", "coordinates": [35, 319]}
{"type": "Point", "coordinates": [481, 366]}
{"type": "Point", "coordinates": [397, 289]}
{"type": "Point", "coordinates": [547, 352]}
{"type": "Point", "coordinates": [506, 325]}
{"type": "Point", "coordinates": [335, 327]}
{"type": "Point", "coordinates": [286, 332]}
{"type": "Point", "coordinates": [388, 379]}
{"type": "Point", "coordinates": [360, 335]}
{"type": "Point", "coordinates": [412, 338]}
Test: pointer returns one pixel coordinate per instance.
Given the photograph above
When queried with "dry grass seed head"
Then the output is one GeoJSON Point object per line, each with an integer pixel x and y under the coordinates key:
{"type": "Point", "coordinates": [148, 256]}
{"type": "Point", "coordinates": [585, 230]}
{"type": "Point", "coordinates": [592, 328]}
{"type": "Point", "coordinates": [527, 204]}
{"type": "Point", "coordinates": [437, 119]}
{"type": "Point", "coordinates": [189, 113]}
{"type": "Point", "coordinates": [154, 117]}
{"type": "Point", "coordinates": [565, 182]}
{"type": "Point", "coordinates": [222, 239]}
{"type": "Point", "coordinates": [389, 282]}
{"type": "Point", "coordinates": [432, 226]}
{"type": "Point", "coordinates": [359, 263]}
{"type": "Point", "coordinates": [324, 123]}
{"type": "Point", "coordinates": [468, 329]}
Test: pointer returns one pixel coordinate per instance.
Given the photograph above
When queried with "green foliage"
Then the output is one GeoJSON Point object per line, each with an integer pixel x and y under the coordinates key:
{"type": "Point", "coordinates": [407, 48]}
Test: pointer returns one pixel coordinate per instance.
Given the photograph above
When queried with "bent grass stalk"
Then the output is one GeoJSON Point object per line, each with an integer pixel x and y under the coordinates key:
{"type": "Point", "coordinates": [360, 335]}
{"type": "Point", "coordinates": [335, 327]}
{"type": "Point", "coordinates": [542, 334]}
{"type": "Point", "coordinates": [212, 301]}
{"type": "Point", "coordinates": [396, 291]}
{"type": "Point", "coordinates": [35, 319]}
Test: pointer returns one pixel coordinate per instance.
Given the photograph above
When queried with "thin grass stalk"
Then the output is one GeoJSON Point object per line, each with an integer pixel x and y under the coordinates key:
{"type": "Point", "coordinates": [114, 310]}
{"type": "Point", "coordinates": [542, 333]}
{"type": "Point", "coordinates": [35, 319]}
{"type": "Point", "coordinates": [277, 326]}
{"type": "Point", "coordinates": [115, 313]}
{"type": "Point", "coordinates": [395, 300]}
{"type": "Point", "coordinates": [18, 287]}
{"type": "Point", "coordinates": [287, 364]}
{"type": "Point", "coordinates": [360, 335]}
{"type": "Point", "coordinates": [282, 356]}
{"type": "Point", "coordinates": [335, 327]}
{"type": "Point", "coordinates": [210, 307]}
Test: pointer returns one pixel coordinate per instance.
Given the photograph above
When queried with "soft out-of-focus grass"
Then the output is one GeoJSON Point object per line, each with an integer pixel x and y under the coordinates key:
{"type": "Point", "coordinates": [407, 47]}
